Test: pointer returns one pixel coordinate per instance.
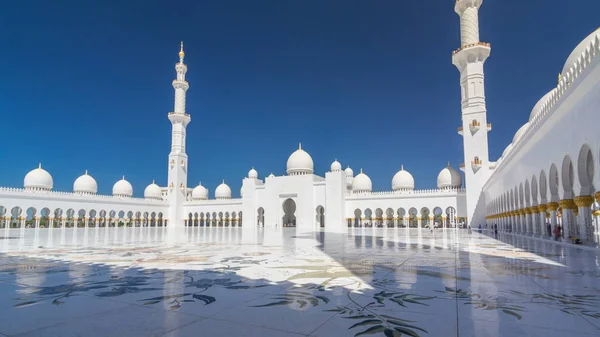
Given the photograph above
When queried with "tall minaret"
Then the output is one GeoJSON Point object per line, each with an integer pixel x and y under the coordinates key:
{"type": "Point", "coordinates": [178, 159]}
{"type": "Point", "coordinates": [469, 60]}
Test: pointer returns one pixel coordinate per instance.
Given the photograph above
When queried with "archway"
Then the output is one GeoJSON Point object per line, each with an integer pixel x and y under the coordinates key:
{"type": "Point", "coordinates": [320, 216]}
{"type": "Point", "coordinates": [357, 215]}
{"type": "Point", "coordinates": [368, 218]}
{"type": "Point", "coordinates": [289, 213]}
{"type": "Point", "coordinates": [438, 221]}
{"type": "Point", "coordinates": [260, 221]}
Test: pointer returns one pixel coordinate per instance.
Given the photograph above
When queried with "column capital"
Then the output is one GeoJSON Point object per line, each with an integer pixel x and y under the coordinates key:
{"type": "Point", "coordinates": [533, 210]}
{"type": "Point", "coordinates": [542, 208]}
{"type": "Point", "coordinates": [584, 200]}
{"type": "Point", "coordinates": [567, 204]}
{"type": "Point", "coordinates": [597, 196]}
{"type": "Point", "coordinates": [552, 206]}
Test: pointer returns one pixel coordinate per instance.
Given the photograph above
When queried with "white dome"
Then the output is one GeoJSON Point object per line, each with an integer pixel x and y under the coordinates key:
{"type": "Point", "coordinates": [153, 191]}
{"type": "Point", "coordinates": [539, 104]}
{"type": "Point", "coordinates": [449, 177]}
{"type": "Point", "coordinates": [253, 174]}
{"type": "Point", "coordinates": [581, 47]}
{"type": "Point", "coordinates": [520, 132]}
{"type": "Point", "coordinates": [336, 166]}
{"type": "Point", "coordinates": [122, 188]}
{"type": "Point", "coordinates": [271, 175]}
{"type": "Point", "coordinates": [38, 179]}
{"type": "Point", "coordinates": [300, 162]}
{"type": "Point", "coordinates": [349, 172]}
{"type": "Point", "coordinates": [223, 191]}
{"type": "Point", "coordinates": [85, 184]}
{"type": "Point", "coordinates": [403, 180]}
{"type": "Point", "coordinates": [507, 150]}
{"type": "Point", "coordinates": [362, 183]}
{"type": "Point", "coordinates": [200, 192]}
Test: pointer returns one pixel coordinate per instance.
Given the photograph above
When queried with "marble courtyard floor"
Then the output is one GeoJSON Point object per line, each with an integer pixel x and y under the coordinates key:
{"type": "Point", "coordinates": [240, 282]}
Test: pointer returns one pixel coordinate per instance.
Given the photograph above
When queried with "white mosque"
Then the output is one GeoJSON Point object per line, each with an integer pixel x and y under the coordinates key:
{"type": "Point", "coordinates": [546, 175]}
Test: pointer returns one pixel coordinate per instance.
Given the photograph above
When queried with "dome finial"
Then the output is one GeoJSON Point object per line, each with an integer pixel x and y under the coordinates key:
{"type": "Point", "coordinates": [86, 172]}
{"type": "Point", "coordinates": [39, 165]}
{"type": "Point", "coordinates": [153, 181]}
{"type": "Point", "coordinates": [181, 53]}
{"type": "Point", "coordinates": [299, 146]}
{"type": "Point", "coordinates": [361, 170]}
{"type": "Point", "coordinates": [123, 177]}
{"type": "Point", "coordinates": [223, 181]}
{"type": "Point", "coordinates": [402, 167]}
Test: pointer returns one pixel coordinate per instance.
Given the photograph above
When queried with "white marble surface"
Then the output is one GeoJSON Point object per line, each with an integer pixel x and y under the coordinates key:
{"type": "Point", "coordinates": [233, 281]}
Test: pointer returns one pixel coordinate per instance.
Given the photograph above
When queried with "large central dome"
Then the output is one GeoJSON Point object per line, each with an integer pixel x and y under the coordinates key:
{"type": "Point", "coordinates": [300, 162]}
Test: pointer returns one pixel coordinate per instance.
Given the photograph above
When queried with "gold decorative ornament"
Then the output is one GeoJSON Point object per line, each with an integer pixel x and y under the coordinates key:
{"type": "Point", "coordinates": [542, 208]}
{"type": "Point", "coordinates": [597, 196]}
{"type": "Point", "coordinates": [567, 204]}
{"type": "Point", "coordinates": [552, 206]}
{"type": "Point", "coordinates": [584, 200]}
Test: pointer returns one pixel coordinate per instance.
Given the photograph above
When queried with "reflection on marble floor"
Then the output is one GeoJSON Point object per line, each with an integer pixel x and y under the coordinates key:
{"type": "Point", "coordinates": [233, 281]}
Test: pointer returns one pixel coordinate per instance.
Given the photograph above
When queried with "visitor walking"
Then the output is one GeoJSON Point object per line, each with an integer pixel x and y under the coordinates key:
{"type": "Point", "coordinates": [549, 229]}
{"type": "Point", "coordinates": [496, 230]}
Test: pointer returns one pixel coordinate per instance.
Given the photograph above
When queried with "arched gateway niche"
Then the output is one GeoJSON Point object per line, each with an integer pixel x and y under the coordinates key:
{"type": "Point", "coordinates": [289, 213]}
{"type": "Point", "coordinates": [260, 220]}
{"type": "Point", "coordinates": [320, 216]}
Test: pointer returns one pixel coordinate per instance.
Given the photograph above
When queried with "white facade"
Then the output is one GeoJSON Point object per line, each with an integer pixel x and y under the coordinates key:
{"type": "Point", "coordinates": [540, 168]}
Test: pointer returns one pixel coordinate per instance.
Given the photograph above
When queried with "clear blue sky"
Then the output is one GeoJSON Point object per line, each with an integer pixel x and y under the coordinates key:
{"type": "Point", "coordinates": [87, 85]}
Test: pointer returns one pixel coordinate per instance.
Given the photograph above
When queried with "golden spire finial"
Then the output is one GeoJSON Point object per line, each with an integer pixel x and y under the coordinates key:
{"type": "Point", "coordinates": [181, 53]}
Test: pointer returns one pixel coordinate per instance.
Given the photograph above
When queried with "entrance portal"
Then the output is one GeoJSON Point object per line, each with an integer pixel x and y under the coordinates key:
{"type": "Point", "coordinates": [289, 213]}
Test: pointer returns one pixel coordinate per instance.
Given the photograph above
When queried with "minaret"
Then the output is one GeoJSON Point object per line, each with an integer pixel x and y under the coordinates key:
{"type": "Point", "coordinates": [178, 159]}
{"type": "Point", "coordinates": [469, 60]}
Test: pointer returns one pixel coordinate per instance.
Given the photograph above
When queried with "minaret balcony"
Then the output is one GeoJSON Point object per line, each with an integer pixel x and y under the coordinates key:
{"type": "Point", "coordinates": [460, 130]}
{"type": "Point", "coordinates": [462, 167]}
{"type": "Point", "coordinates": [489, 127]}
{"type": "Point", "coordinates": [483, 44]}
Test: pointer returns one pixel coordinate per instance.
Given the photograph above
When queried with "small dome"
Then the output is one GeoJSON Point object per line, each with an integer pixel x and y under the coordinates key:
{"type": "Point", "coordinates": [362, 183]}
{"type": "Point", "coordinates": [349, 172]}
{"type": "Point", "coordinates": [336, 166]}
{"type": "Point", "coordinates": [539, 104]}
{"type": "Point", "coordinates": [578, 51]}
{"type": "Point", "coordinates": [520, 132]}
{"type": "Point", "coordinates": [122, 188]}
{"type": "Point", "coordinates": [223, 191]}
{"type": "Point", "coordinates": [199, 192]}
{"type": "Point", "coordinates": [271, 175]}
{"type": "Point", "coordinates": [403, 180]}
{"type": "Point", "coordinates": [449, 177]}
{"type": "Point", "coordinates": [300, 162]}
{"type": "Point", "coordinates": [38, 179]}
{"type": "Point", "coordinates": [153, 191]}
{"type": "Point", "coordinates": [253, 174]}
{"type": "Point", "coordinates": [85, 184]}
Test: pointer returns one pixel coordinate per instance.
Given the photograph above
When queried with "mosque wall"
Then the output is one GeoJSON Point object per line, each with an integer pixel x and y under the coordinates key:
{"type": "Point", "coordinates": [19, 204]}
{"type": "Point", "coordinates": [550, 172]}
{"type": "Point", "coordinates": [391, 208]}
{"type": "Point", "coordinates": [219, 212]}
